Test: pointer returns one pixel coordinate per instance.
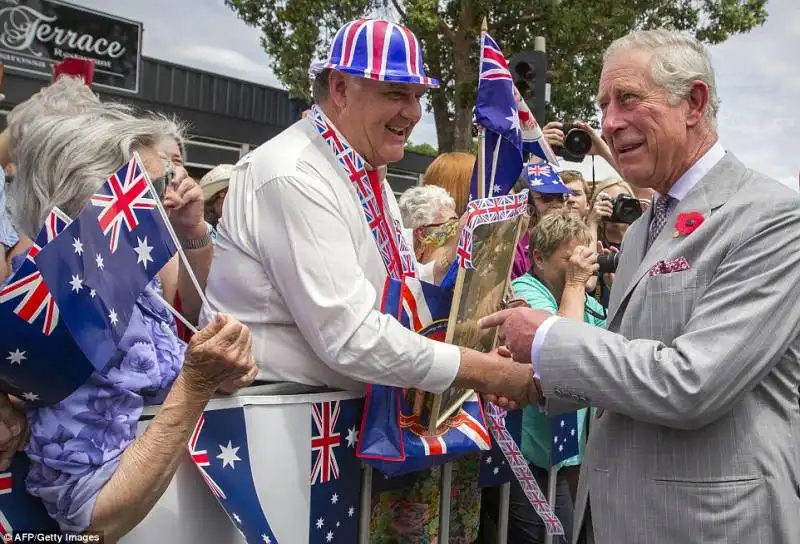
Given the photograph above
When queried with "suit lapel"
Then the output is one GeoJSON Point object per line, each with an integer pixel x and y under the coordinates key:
{"type": "Point", "coordinates": [711, 192]}
{"type": "Point", "coordinates": [633, 246]}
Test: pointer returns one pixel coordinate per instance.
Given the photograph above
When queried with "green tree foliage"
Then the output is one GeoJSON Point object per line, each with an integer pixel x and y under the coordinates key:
{"type": "Point", "coordinates": [422, 149]}
{"type": "Point", "coordinates": [295, 32]}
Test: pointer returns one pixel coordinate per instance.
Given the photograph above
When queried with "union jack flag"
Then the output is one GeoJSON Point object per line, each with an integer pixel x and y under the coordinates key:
{"type": "Point", "coordinates": [533, 140]}
{"type": "Point", "coordinates": [119, 197]}
{"type": "Point", "coordinates": [324, 440]}
{"type": "Point", "coordinates": [29, 282]}
{"type": "Point", "coordinates": [536, 170]}
{"type": "Point", "coordinates": [200, 458]}
{"type": "Point", "coordinates": [485, 211]}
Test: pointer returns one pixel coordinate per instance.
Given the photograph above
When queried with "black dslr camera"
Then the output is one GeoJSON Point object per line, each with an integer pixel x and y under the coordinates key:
{"type": "Point", "coordinates": [607, 263]}
{"type": "Point", "coordinates": [626, 209]}
{"type": "Point", "coordinates": [577, 143]}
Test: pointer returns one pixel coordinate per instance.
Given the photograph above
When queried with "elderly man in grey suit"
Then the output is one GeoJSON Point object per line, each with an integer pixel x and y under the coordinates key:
{"type": "Point", "coordinates": [696, 379]}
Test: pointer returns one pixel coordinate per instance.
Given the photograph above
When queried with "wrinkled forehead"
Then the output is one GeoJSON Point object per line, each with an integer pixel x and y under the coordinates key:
{"type": "Point", "coordinates": [626, 70]}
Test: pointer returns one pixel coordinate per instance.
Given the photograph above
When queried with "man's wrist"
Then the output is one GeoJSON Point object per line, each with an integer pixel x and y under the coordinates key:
{"type": "Point", "coordinates": [196, 237]}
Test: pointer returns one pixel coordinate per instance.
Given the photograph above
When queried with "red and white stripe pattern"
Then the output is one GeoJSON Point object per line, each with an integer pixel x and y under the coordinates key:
{"type": "Point", "coordinates": [36, 297]}
{"type": "Point", "coordinates": [6, 530]}
{"type": "Point", "coordinates": [200, 458]}
{"type": "Point", "coordinates": [377, 49]}
{"type": "Point", "coordinates": [493, 64]}
{"type": "Point", "coordinates": [497, 425]}
{"type": "Point", "coordinates": [392, 244]}
{"type": "Point", "coordinates": [484, 211]}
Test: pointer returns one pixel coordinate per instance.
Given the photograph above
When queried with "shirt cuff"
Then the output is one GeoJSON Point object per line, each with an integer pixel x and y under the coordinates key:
{"type": "Point", "coordinates": [538, 341]}
{"type": "Point", "coordinates": [442, 374]}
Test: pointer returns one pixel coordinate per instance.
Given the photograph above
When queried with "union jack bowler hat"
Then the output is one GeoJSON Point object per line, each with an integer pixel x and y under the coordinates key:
{"type": "Point", "coordinates": [376, 49]}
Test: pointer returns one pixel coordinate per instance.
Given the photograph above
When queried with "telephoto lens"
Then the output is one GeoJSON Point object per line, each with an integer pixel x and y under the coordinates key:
{"type": "Point", "coordinates": [607, 263]}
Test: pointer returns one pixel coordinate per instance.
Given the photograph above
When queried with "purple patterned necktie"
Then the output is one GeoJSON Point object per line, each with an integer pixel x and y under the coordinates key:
{"type": "Point", "coordinates": [660, 211]}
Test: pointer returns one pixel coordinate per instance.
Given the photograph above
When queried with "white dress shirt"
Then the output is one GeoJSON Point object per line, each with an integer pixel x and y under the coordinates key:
{"type": "Point", "coordinates": [678, 191]}
{"type": "Point", "coordinates": [295, 261]}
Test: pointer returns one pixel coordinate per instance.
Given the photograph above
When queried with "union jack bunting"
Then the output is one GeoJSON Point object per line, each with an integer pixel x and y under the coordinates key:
{"type": "Point", "coordinates": [119, 199]}
{"type": "Point", "coordinates": [392, 244]}
{"type": "Point", "coordinates": [521, 470]}
{"type": "Point", "coordinates": [28, 282]}
{"type": "Point", "coordinates": [324, 440]}
{"type": "Point", "coordinates": [377, 49]}
{"type": "Point", "coordinates": [484, 211]}
{"type": "Point", "coordinates": [20, 512]}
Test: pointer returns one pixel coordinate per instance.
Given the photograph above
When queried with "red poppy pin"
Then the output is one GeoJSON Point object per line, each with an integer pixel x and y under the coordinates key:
{"type": "Point", "coordinates": [687, 223]}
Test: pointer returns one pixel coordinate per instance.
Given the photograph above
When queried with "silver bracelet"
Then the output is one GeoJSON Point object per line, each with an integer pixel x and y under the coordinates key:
{"type": "Point", "coordinates": [197, 243]}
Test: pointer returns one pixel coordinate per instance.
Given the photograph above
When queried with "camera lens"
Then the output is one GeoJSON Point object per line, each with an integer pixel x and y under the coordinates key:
{"type": "Point", "coordinates": [578, 141]}
{"type": "Point", "coordinates": [607, 263]}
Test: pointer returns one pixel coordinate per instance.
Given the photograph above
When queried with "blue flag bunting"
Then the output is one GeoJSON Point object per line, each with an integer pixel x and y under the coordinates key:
{"type": "Point", "coordinates": [101, 263]}
{"type": "Point", "coordinates": [220, 450]}
{"type": "Point", "coordinates": [565, 432]}
{"type": "Point", "coordinates": [39, 360]}
{"type": "Point", "coordinates": [496, 111]}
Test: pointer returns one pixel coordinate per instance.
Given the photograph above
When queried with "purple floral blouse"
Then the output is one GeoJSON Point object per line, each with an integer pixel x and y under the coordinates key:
{"type": "Point", "coordinates": [76, 445]}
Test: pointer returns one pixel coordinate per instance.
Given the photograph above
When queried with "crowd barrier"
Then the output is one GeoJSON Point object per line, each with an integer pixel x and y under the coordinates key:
{"type": "Point", "coordinates": [280, 456]}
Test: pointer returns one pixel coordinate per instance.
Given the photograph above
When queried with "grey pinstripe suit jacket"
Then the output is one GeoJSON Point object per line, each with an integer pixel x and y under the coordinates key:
{"type": "Point", "coordinates": [698, 375]}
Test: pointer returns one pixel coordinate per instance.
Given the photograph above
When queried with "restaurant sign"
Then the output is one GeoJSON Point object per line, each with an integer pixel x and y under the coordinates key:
{"type": "Point", "coordinates": [35, 34]}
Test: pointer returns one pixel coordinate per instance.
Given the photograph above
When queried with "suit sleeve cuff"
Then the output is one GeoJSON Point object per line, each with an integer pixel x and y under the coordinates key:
{"type": "Point", "coordinates": [442, 374]}
{"type": "Point", "coordinates": [538, 342]}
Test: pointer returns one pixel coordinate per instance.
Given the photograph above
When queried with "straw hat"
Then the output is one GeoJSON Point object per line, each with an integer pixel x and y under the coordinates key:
{"type": "Point", "coordinates": [216, 180]}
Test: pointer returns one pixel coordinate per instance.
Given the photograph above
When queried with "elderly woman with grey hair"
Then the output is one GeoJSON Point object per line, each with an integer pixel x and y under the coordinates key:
{"type": "Point", "coordinates": [430, 212]}
{"type": "Point", "coordinates": [87, 465]}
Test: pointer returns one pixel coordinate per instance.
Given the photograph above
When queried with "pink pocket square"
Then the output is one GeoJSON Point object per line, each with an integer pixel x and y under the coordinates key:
{"type": "Point", "coordinates": [669, 267]}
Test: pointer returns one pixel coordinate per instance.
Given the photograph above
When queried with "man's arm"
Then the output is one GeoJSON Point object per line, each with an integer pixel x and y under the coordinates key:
{"type": "Point", "coordinates": [740, 328]}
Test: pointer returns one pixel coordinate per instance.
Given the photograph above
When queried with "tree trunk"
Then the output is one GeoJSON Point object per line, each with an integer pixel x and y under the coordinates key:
{"type": "Point", "coordinates": [464, 78]}
{"type": "Point", "coordinates": [444, 125]}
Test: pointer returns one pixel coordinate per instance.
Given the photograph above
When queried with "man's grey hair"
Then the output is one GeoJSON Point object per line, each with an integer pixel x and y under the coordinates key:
{"type": "Point", "coordinates": [320, 87]}
{"type": "Point", "coordinates": [62, 159]}
{"type": "Point", "coordinates": [678, 60]}
{"type": "Point", "coordinates": [68, 96]}
{"type": "Point", "coordinates": [422, 205]}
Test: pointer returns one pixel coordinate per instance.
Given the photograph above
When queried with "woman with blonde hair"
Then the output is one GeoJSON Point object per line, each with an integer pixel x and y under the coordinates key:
{"type": "Point", "coordinates": [452, 171]}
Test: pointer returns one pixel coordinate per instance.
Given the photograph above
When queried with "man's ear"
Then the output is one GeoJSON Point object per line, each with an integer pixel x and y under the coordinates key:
{"type": "Point", "coordinates": [698, 103]}
{"type": "Point", "coordinates": [338, 88]}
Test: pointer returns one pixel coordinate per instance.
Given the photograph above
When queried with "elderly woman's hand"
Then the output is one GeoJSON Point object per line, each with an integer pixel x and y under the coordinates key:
{"type": "Point", "coordinates": [582, 266]}
{"type": "Point", "coordinates": [183, 201]}
{"type": "Point", "coordinates": [219, 354]}
{"type": "Point", "coordinates": [13, 430]}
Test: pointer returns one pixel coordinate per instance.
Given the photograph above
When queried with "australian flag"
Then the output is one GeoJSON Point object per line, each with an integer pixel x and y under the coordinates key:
{"type": "Point", "coordinates": [101, 263]}
{"type": "Point", "coordinates": [565, 432]}
{"type": "Point", "coordinates": [220, 451]}
{"type": "Point", "coordinates": [39, 360]}
{"type": "Point", "coordinates": [497, 113]}
{"type": "Point", "coordinates": [335, 471]}
{"type": "Point", "coordinates": [494, 467]}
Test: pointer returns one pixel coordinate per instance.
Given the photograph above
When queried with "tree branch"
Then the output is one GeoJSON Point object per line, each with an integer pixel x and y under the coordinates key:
{"type": "Point", "coordinates": [400, 10]}
{"type": "Point", "coordinates": [510, 21]}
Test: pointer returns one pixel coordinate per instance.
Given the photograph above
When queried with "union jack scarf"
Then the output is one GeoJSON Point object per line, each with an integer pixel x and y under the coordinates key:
{"type": "Point", "coordinates": [387, 231]}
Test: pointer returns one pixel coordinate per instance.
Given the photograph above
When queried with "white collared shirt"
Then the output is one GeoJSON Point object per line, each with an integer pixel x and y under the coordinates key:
{"type": "Point", "coordinates": [295, 261]}
{"type": "Point", "coordinates": [695, 173]}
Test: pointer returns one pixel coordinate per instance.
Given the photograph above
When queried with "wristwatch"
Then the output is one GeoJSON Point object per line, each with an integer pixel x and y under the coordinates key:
{"type": "Point", "coordinates": [197, 243]}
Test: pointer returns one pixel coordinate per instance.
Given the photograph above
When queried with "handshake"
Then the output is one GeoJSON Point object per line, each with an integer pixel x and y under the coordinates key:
{"type": "Point", "coordinates": [507, 377]}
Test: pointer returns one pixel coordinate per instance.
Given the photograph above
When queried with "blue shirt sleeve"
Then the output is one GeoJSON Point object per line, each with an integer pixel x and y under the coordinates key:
{"type": "Point", "coordinates": [77, 444]}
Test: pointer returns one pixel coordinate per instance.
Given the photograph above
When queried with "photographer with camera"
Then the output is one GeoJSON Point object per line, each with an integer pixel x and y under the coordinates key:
{"type": "Point", "coordinates": [573, 140]}
{"type": "Point", "coordinates": [562, 262]}
{"type": "Point", "coordinates": [613, 209]}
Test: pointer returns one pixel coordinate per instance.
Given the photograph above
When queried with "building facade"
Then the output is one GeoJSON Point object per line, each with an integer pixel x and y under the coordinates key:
{"type": "Point", "coordinates": [227, 117]}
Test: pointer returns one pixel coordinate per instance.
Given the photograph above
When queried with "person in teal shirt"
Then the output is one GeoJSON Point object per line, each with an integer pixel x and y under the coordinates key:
{"type": "Point", "coordinates": [561, 264]}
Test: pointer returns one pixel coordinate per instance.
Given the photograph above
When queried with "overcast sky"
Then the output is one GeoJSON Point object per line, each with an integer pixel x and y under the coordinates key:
{"type": "Point", "coordinates": [758, 74]}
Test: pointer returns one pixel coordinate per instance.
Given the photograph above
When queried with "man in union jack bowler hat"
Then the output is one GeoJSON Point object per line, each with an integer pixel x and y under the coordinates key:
{"type": "Point", "coordinates": [310, 231]}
